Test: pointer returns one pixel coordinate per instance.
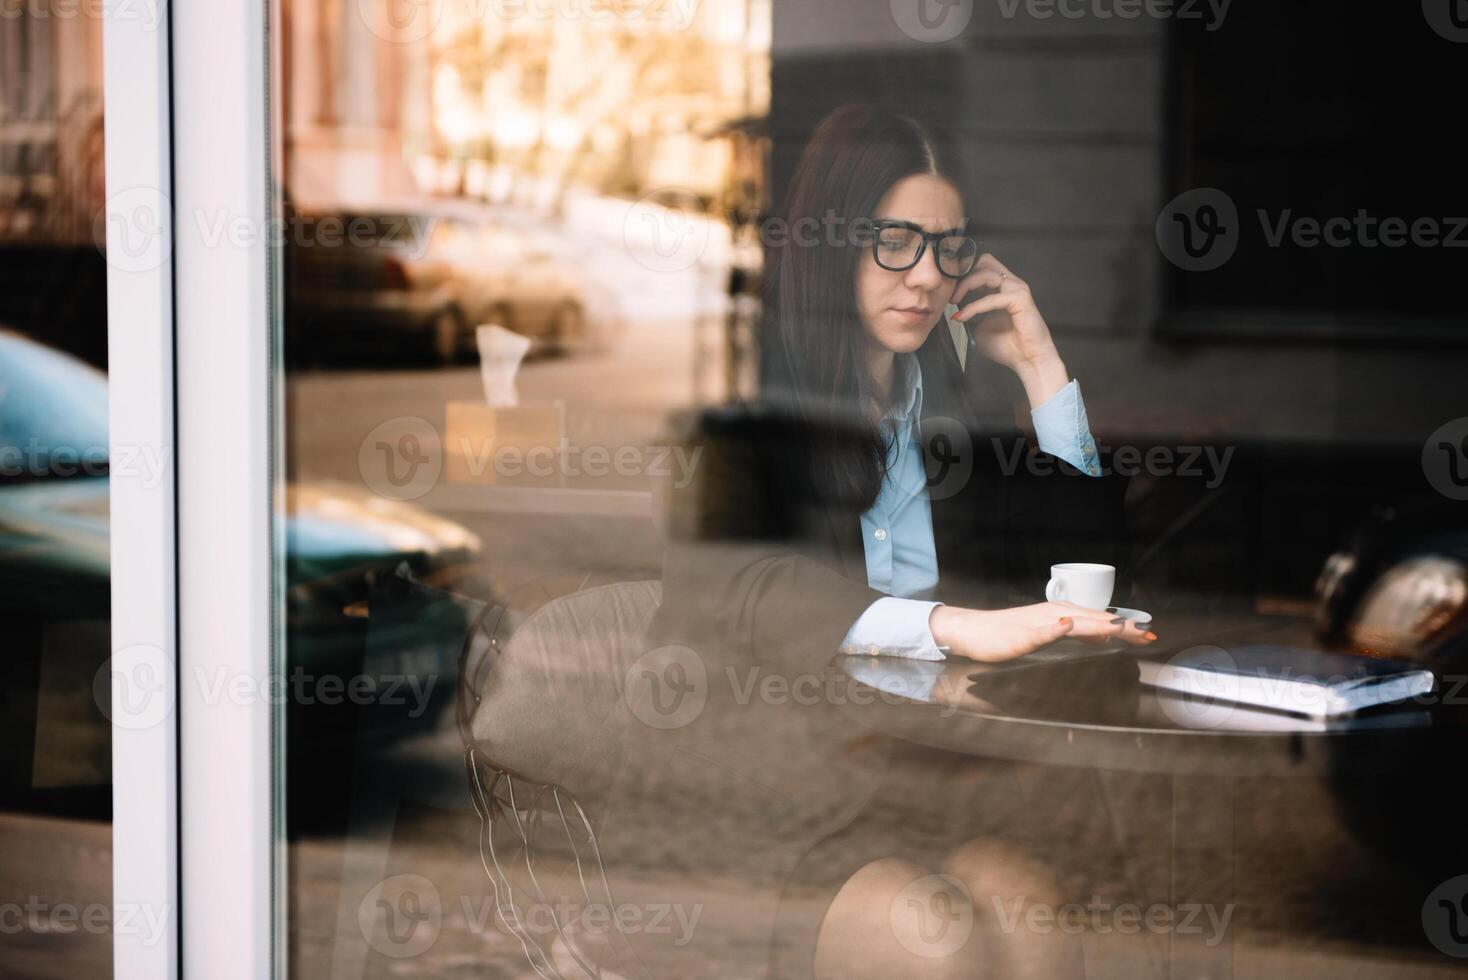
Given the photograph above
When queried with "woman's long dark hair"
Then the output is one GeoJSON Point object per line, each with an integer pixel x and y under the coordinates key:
{"type": "Point", "coordinates": [819, 363]}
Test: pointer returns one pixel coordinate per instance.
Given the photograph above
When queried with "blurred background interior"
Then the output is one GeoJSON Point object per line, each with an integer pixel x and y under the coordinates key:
{"type": "Point", "coordinates": [596, 185]}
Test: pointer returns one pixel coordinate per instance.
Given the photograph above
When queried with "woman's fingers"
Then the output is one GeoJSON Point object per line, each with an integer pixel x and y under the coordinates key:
{"type": "Point", "coordinates": [980, 278]}
{"type": "Point", "coordinates": [1049, 632]}
{"type": "Point", "coordinates": [1064, 607]}
{"type": "Point", "coordinates": [1009, 291]}
{"type": "Point", "coordinates": [988, 273]}
{"type": "Point", "coordinates": [987, 304]}
{"type": "Point", "coordinates": [1097, 624]}
{"type": "Point", "coordinates": [988, 261]}
{"type": "Point", "coordinates": [1085, 626]}
{"type": "Point", "coordinates": [1003, 634]}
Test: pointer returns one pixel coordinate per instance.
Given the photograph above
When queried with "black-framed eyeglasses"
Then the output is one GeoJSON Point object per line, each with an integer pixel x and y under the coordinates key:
{"type": "Point", "coordinates": [899, 245]}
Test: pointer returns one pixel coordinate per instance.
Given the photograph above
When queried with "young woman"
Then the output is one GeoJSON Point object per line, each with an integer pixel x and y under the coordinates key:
{"type": "Point", "coordinates": [856, 508]}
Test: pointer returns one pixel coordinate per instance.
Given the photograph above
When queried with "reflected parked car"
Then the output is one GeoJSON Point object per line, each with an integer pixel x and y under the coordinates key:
{"type": "Point", "coordinates": [425, 279]}
{"type": "Point", "coordinates": [55, 580]}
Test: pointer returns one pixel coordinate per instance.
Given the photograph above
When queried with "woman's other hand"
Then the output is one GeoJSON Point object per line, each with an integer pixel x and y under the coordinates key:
{"type": "Point", "coordinates": [994, 635]}
{"type": "Point", "coordinates": [1008, 328]}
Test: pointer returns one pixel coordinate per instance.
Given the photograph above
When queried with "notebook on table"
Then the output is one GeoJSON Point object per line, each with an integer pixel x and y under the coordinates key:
{"type": "Point", "coordinates": [1294, 680]}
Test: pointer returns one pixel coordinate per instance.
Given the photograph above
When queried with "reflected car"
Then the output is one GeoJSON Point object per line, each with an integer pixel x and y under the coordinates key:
{"type": "Point", "coordinates": [360, 281]}
{"type": "Point", "coordinates": [342, 540]}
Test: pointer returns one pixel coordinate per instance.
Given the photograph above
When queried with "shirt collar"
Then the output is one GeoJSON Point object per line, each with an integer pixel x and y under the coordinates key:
{"type": "Point", "coordinates": [907, 387]}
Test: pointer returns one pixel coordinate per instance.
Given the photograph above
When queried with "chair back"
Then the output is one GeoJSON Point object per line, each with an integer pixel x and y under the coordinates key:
{"type": "Point", "coordinates": [541, 715]}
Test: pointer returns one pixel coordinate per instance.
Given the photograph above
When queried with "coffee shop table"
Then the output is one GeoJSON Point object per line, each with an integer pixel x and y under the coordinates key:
{"type": "Point", "coordinates": [1080, 706]}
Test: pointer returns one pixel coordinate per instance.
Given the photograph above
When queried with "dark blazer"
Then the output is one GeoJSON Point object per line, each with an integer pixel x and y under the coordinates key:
{"type": "Point", "coordinates": [760, 563]}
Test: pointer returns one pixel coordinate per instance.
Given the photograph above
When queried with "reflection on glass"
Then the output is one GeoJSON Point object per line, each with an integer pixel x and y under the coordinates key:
{"type": "Point", "coordinates": [55, 739]}
{"type": "Point", "coordinates": [588, 184]}
{"type": "Point", "coordinates": [538, 340]}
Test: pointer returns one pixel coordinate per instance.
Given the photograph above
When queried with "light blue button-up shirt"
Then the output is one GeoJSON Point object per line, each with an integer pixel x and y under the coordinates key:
{"type": "Point", "coordinates": [897, 532]}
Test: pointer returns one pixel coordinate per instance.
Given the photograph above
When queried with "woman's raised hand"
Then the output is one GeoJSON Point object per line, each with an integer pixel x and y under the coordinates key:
{"type": "Point", "coordinates": [1008, 328]}
{"type": "Point", "coordinates": [994, 635]}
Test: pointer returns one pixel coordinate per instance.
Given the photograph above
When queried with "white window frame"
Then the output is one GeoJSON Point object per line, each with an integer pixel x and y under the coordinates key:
{"type": "Point", "coordinates": [231, 824]}
{"type": "Point", "coordinates": [142, 498]}
{"type": "Point", "coordinates": [197, 825]}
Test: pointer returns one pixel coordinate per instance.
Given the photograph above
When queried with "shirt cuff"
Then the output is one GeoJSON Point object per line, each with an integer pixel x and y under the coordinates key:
{"type": "Point", "coordinates": [1062, 429]}
{"type": "Point", "coordinates": [916, 680]}
{"type": "Point", "coordinates": [894, 627]}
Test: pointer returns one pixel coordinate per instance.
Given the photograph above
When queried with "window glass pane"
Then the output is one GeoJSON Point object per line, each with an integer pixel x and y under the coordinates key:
{"type": "Point", "coordinates": [680, 581]}
{"type": "Point", "coordinates": [55, 779]}
{"type": "Point", "coordinates": [510, 243]}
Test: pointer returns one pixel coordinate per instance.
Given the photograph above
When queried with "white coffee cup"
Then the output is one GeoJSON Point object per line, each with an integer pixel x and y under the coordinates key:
{"type": "Point", "coordinates": [1081, 582]}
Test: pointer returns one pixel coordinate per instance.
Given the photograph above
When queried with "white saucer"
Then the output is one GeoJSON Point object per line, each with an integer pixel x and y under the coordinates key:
{"type": "Point", "coordinates": [1135, 615]}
